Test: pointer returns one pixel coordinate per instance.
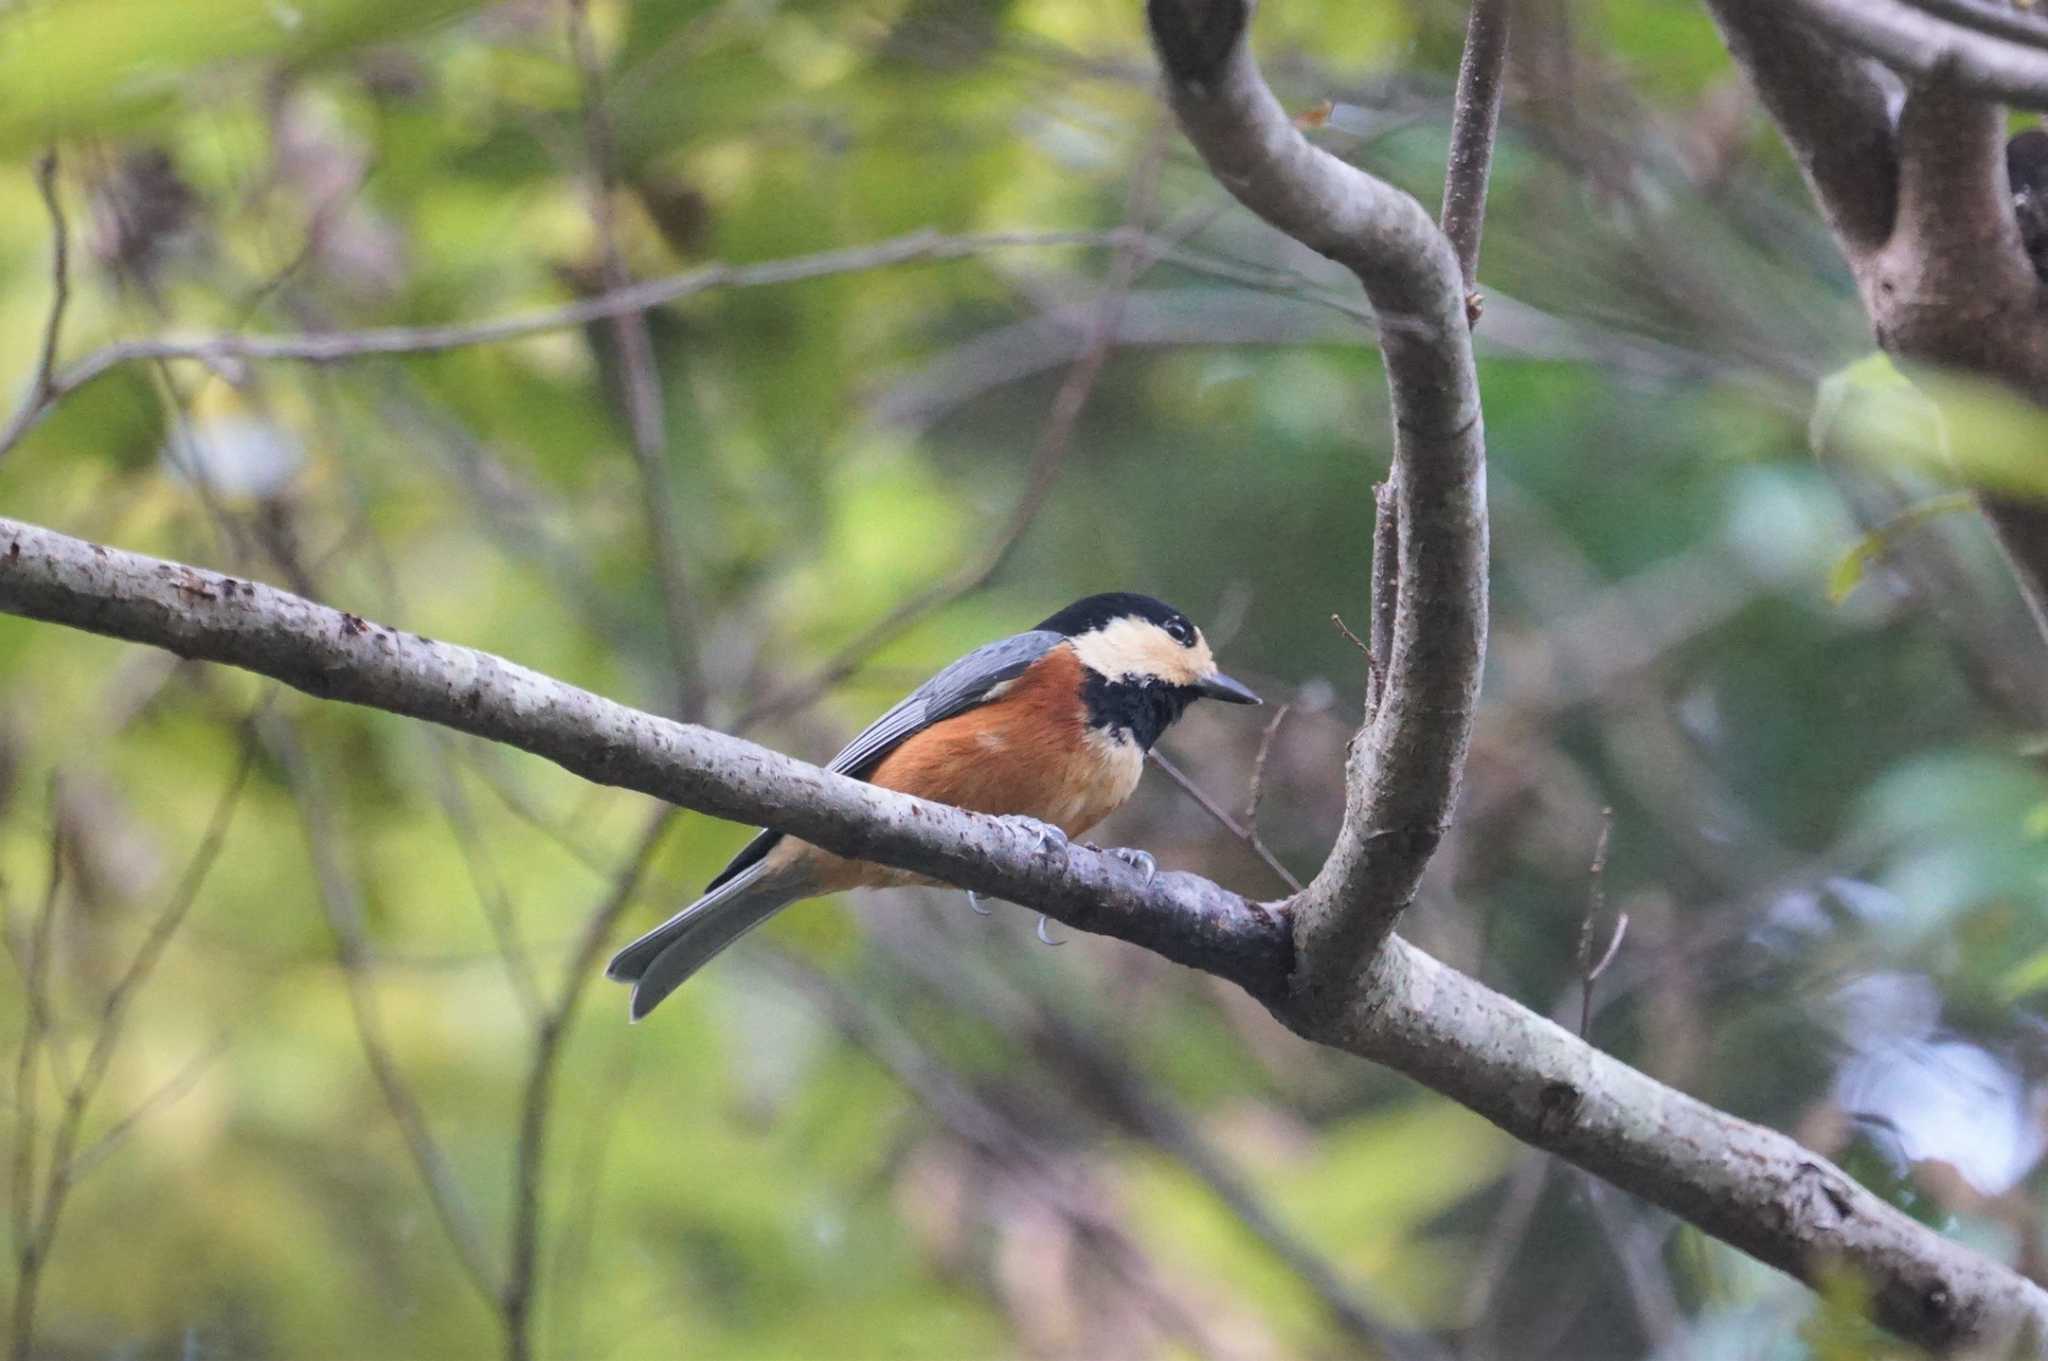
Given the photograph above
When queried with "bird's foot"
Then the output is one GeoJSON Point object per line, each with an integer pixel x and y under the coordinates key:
{"type": "Point", "coordinates": [1051, 840]}
{"type": "Point", "coordinates": [974, 902]}
{"type": "Point", "coordinates": [1043, 938]}
{"type": "Point", "coordinates": [1141, 861]}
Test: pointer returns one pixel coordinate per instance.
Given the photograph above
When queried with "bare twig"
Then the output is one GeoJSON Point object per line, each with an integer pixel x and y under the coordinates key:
{"type": "Point", "coordinates": [340, 899]}
{"type": "Point", "coordinates": [173, 1087]}
{"type": "Point", "coordinates": [1757, 1189]}
{"type": "Point", "coordinates": [984, 1128]}
{"type": "Point", "coordinates": [1257, 793]}
{"type": "Point", "coordinates": [641, 380]}
{"type": "Point", "coordinates": [1596, 907]}
{"type": "Point", "coordinates": [516, 1300]}
{"type": "Point", "coordinates": [1225, 820]}
{"type": "Point", "coordinates": [114, 1010]}
{"type": "Point", "coordinates": [1364, 648]}
{"type": "Point", "coordinates": [1094, 1064]}
{"type": "Point", "coordinates": [29, 1261]}
{"type": "Point", "coordinates": [1386, 588]}
{"type": "Point", "coordinates": [222, 351]}
{"type": "Point", "coordinates": [41, 383]}
{"type": "Point", "coordinates": [1474, 119]}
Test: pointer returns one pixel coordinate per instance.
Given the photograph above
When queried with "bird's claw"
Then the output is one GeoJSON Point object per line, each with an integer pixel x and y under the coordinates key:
{"type": "Point", "coordinates": [1051, 839]}
{"type": "Point", "coordinates": [1138, 860]}
{"type": "Point", "coordinates": [974, 902]}
{"type": "Point", "coordinates": [1043, 938]}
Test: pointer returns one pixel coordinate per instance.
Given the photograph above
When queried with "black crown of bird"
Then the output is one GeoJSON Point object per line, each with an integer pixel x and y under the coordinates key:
{"type": "Point", "coordinates": [1052, 725]}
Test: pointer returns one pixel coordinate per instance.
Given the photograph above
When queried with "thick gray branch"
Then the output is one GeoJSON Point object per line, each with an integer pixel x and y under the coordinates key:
{"type": "Point", "coordinates": [1403, 778]}
{"type": "Point", "coordinates": [1753, 1187]}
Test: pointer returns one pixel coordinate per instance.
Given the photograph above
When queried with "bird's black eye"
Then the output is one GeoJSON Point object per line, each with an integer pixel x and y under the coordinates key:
{"type": "Point", "coordinates": [1180, 630]}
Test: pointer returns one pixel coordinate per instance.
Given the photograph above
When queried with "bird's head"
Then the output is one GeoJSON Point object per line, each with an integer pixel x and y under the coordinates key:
{"type": "Point", "coordinates": [1142, 654]}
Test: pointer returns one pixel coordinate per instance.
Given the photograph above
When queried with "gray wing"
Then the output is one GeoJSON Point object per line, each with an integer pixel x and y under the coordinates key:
{"type": "Point", "coordinates": [954, 690]}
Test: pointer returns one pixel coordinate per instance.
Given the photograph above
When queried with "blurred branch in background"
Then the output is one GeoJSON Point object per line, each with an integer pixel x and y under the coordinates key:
{"type": "Point", "coordinates": [39, 1205]}
{"type": "Point", "coordinates": [645, 404]}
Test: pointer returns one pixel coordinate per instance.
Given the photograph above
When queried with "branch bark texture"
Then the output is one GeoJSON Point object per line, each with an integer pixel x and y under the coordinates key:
{"type": "Point", "coordinates": [1751, 1186]}
{"type": "Point", "coordinates": [1405, 766]}
{"type": "Point", "coordinates": [1919, 203]}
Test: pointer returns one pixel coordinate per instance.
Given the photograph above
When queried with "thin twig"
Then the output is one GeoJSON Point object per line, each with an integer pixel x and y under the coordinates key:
{"type": "Point", "coordinates": [1035, 1169]}
{"type": "Point", "coordinates": [640, 378]}
{"type": "Point", "coordinates": [1258, 789]}
{"type": "Point", "coordinates": [1093, 1064]}
{"type": "Point", "coordinates": [222, 351]}
{"type": "Point", "coordinates": [28, 1270]}
{"type": "Point", "coordinates": [491, 893]}
{"type": "Point", "coordinates": [340, 900]}
{"type": "Point", "coordinates": [1224, 819]}
{"type": "Point", "coordinates": [174, 1087]}
{"type": "Point", "coordinates": [536, 1099]}
{"type": "Point", "coordinates": [42, 383]}
{"type": "Point", "coordinates": [1474, 118]}
{"type": "Point", "coordinates": [1386, 587]}
{"type": "Point", "coordinates": [1596, 907]}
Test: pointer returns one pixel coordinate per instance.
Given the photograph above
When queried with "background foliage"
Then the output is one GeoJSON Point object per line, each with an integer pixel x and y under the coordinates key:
{"type": "Point", "coordinates": [891, 1127]}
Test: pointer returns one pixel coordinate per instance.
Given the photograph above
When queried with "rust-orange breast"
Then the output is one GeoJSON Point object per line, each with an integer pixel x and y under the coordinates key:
{"type": "Point", "coordinates": [1029, 751]}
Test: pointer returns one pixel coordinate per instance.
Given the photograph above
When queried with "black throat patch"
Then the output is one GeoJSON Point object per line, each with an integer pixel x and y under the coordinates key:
{"type": "Point", "coordinates": [1141, 709]}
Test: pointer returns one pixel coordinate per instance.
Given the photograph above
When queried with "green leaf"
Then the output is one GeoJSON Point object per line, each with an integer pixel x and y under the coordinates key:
{"type": "Point", "coordinates": [1848, 573]}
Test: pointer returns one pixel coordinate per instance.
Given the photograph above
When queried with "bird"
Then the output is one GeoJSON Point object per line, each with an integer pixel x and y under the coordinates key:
{"type": "Point", "coordinates": [1051, 725]}
{"type": "Point", "coordinates": [2026, 172]}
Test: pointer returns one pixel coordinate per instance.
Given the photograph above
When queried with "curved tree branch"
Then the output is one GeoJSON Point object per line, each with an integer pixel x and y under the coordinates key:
{"type": "Point", "coordinates": [1404, 770]}
{"type": "Point", "coordinates": [1751, 1186]}
{"type": "Point", "coordinates": [1922, 210]}
{"type": "Point", "coordinates": [1915, 43]}
{"type": "Point", "coordinates": [1831, 109]}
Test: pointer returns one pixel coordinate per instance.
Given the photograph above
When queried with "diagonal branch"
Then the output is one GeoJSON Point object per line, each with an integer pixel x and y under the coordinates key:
{"type": "Point", "coordinates": [1405, 767]}
{"type": "Point", "coordinates": [1748, 1185]}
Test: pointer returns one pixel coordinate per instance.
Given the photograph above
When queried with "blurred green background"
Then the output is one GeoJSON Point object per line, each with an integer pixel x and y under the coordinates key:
{"type": "Point", "coordinates": [887, 1126]}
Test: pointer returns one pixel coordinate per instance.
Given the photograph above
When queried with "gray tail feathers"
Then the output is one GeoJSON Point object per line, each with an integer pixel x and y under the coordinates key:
{"type": "Point", "coordinates": [662, 960]}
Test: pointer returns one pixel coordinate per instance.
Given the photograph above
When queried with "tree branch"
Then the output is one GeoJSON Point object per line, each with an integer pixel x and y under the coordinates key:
{"type": "Point", "coordinates": [1755, 1188]}
{"type": "Point", "coordinates": [640, 378]}
{"type": "Point", "coordinates": [332, 654]}
{"type": "Point", "coordinates": [1915, 43]}
{"type": "Point", "coordinates": [1474, 118]}
{"type": "Point", "coordinates": [1830, 108]}
{"type": "Point", "coordinates": [337, 346]}
{"type": "Point", "coordinates": [1404, 770]}
{"type": "Point", "coordinates": [1990, 16]}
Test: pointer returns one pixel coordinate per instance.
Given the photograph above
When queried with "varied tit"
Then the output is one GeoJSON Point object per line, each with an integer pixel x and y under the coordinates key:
{"type": "Point", "coordinates": [1051, 725]}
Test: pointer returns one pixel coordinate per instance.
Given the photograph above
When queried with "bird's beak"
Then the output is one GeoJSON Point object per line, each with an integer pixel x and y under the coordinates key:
{"type": "Point", "coordinates": [1220, 686]}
